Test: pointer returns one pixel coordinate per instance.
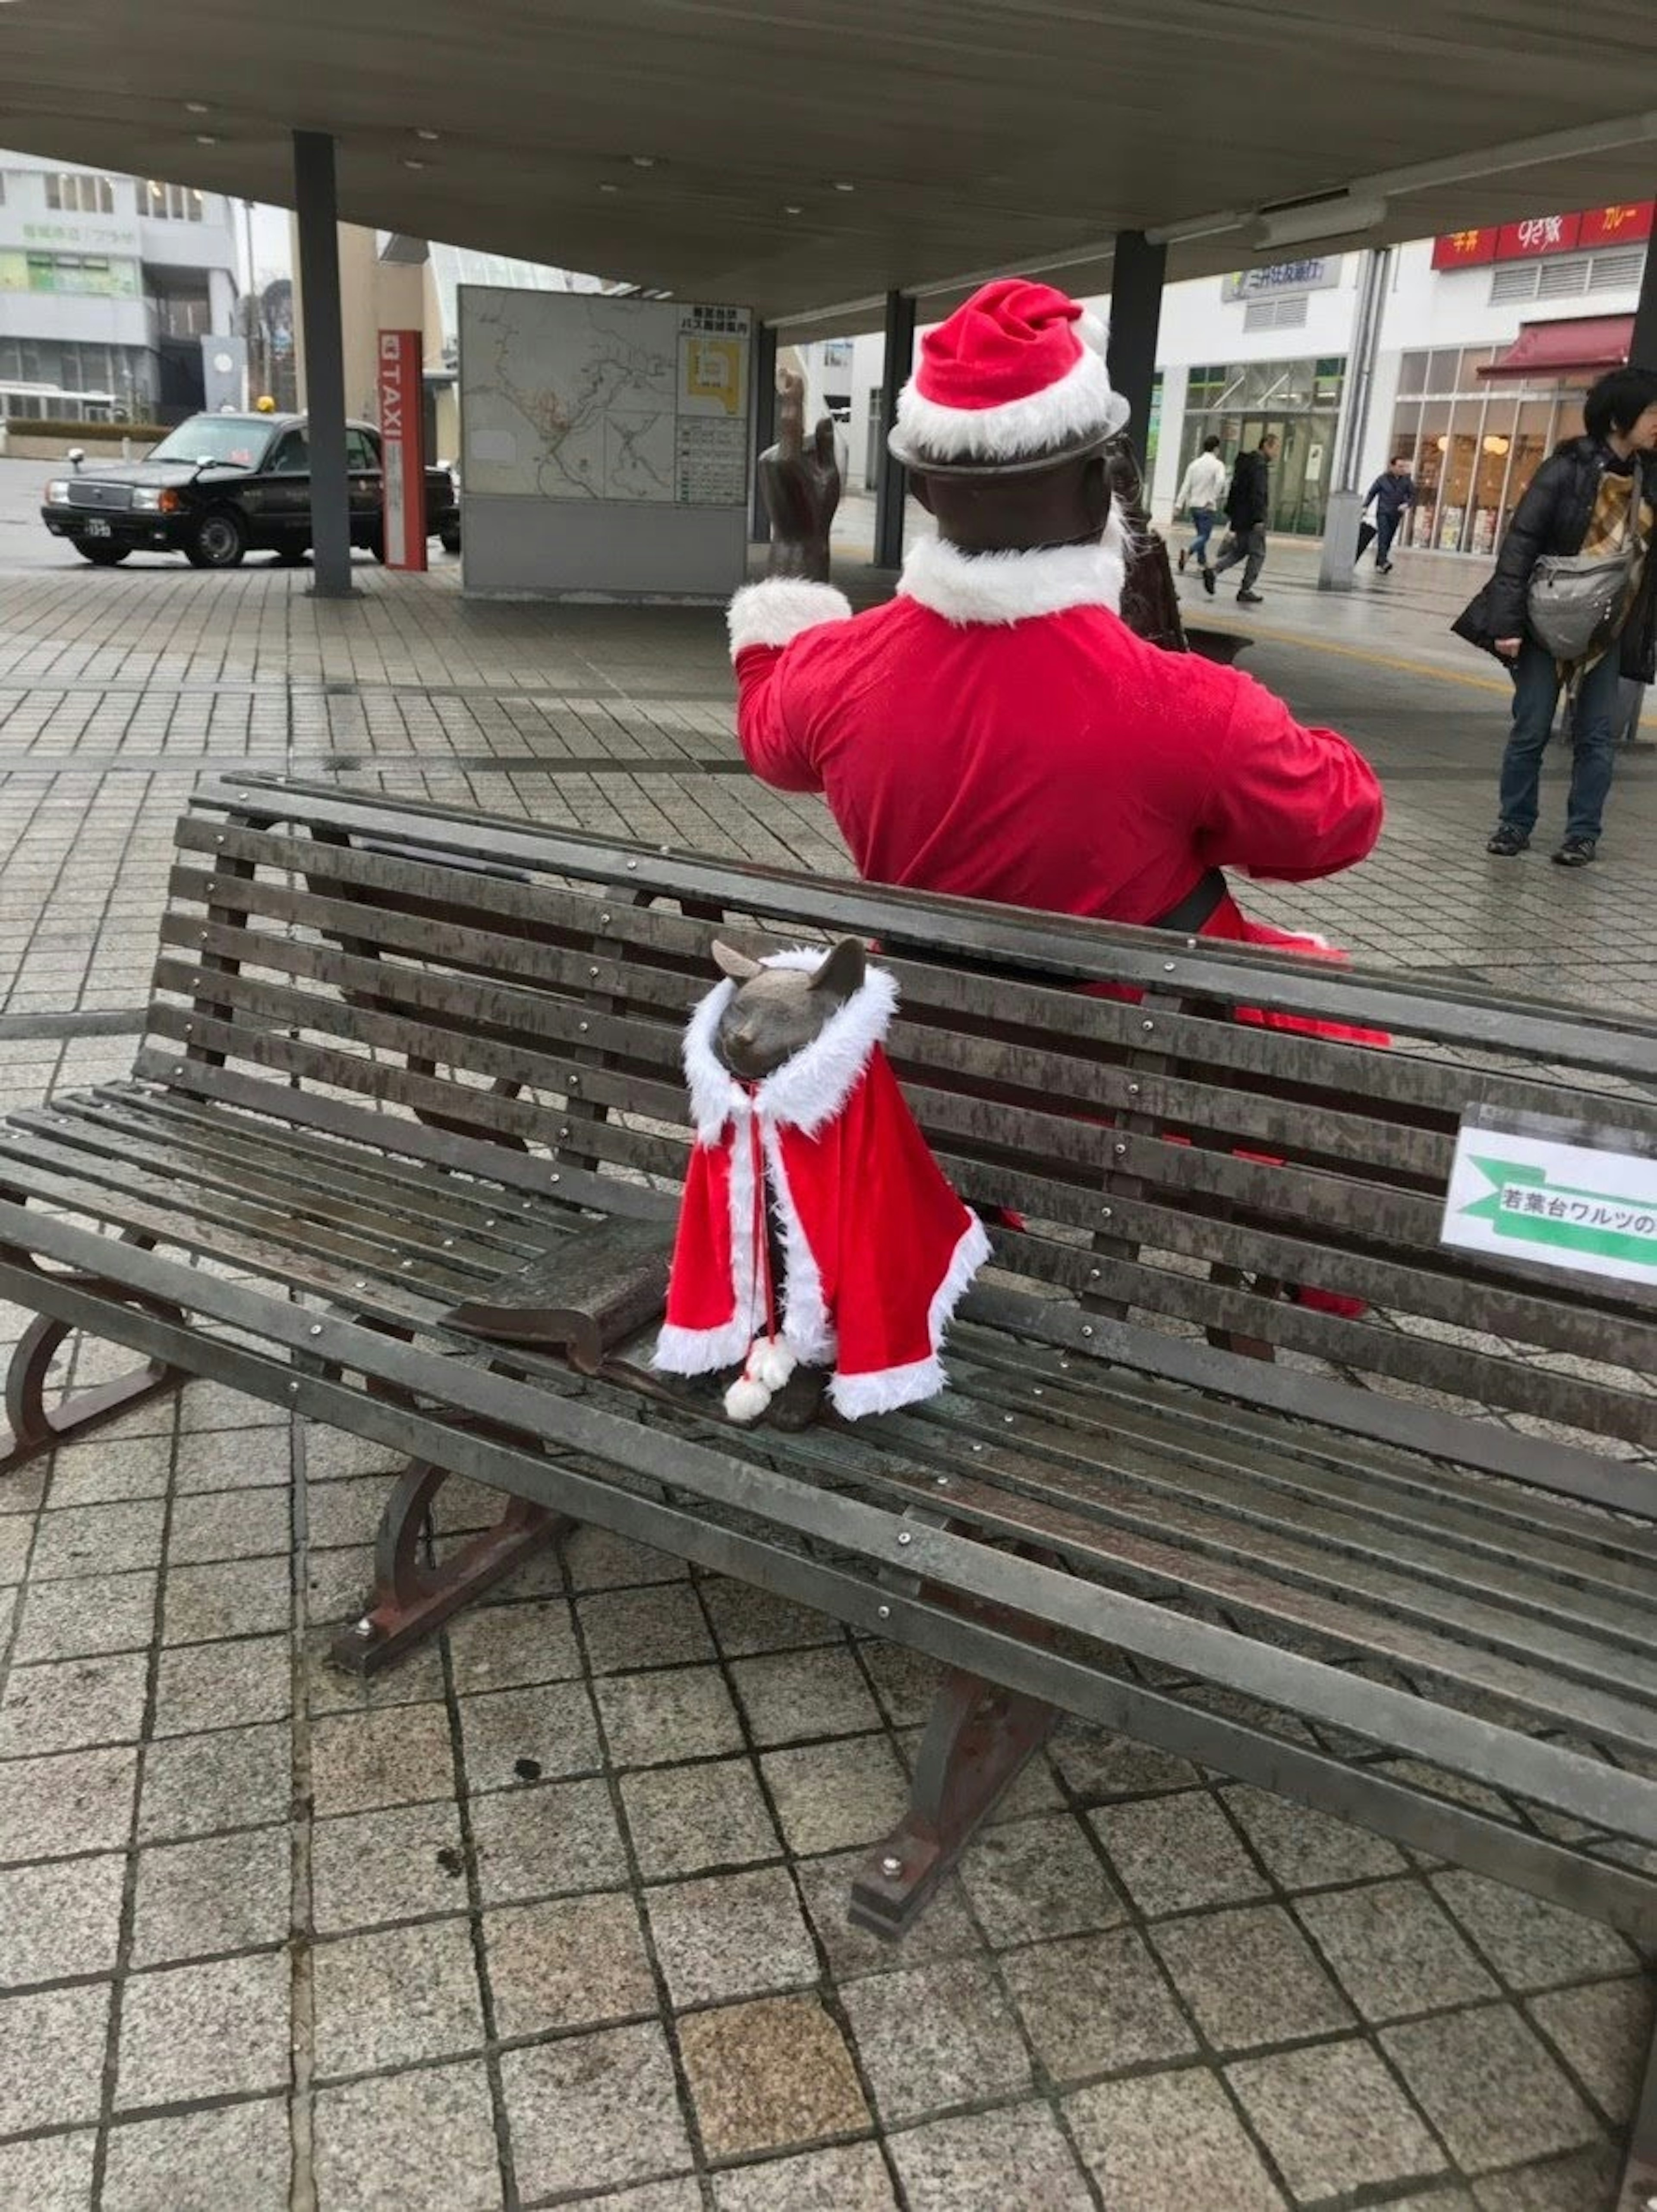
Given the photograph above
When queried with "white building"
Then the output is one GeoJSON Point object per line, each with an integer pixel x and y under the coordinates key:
{"type": "Point", "coordinates": [1488, 341]}
{"type": "Point", "coordinates": [107, 286]}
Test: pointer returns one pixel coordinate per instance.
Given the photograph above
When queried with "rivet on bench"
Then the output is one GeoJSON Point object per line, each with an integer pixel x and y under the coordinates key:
{"type": "Point", "coordinates": [1038, 1392]}
{"type": "Point", "coordinates": [527, 1206]}
{"type": "Point", "coordinates": [316, 1329]}
{"type": "Point", "coordinates": [1191, 945]}
{"type": "Point", "coordinates": [891, 1868]}
{"type": "Point", "coordinates": [1120, 1151]}
{"type": "Point", "coordinates": [407, 1263]}
{"type": "Point", "coordinates": [1167, 967]}
{"type": "Point", "coordinates": [448, 1243]}
{"type": "Point", "coordinates": [978, 1447]}
{"type": "Point", "coordinates": [490, 1223]}
{"type": "Point", "coordinates": [942, 1480]}
{"type": "Point", "coordinates": [883, 1612]}
{"type": "Point", "coordinates": [292, 1390]}
{"type": "Point", "coordinates": [633, 864]}
{"type": "Point", "coordinates": [1104, 1213]}
{"type": "Point", "coordinates": [364, 1627]}
{"type": "Point", "coordinates": [583, 1027]}
{"type": "Point", "coordinates": [1006, 1420]}
{"type": "Point", "coordinates": [552, 1178]}
{"type": "Point", "coordinates": [1087, 1331]}
{"type": "Point", "coordinates": [360, 1286]}
{"type": "Point", "coordinates": [178, 1068]}
{"type": "Point", "coordinates": [603, 917]}
{"type": "Point", "coordinates": [1147, 1026]}
{"type": "Point", "coordinates": [593, 971]}
{"type": "Point", "coordinates": [1093, 1275]}
{"type": "Point", "coordinates": [904, 1537]}
{"type": "Point", "coordinates": [1134, 1091]}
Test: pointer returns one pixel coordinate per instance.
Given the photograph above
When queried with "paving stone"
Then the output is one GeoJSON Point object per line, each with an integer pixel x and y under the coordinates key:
{"type": "Point", "coordinates": [1533, 1944]}
{"type": "Point", "coordinates": [906, 1682]}
{"type": "Point", "coordinates": [60, 1918]}
{"type": "Point", "coordinates": [553, 1725]}
{"type": "Point", "coordinates": [97, 1540]}
{"type": "Point", "coordinates": [1489, 2088]}
{"type": "Point", "coordinates": [771, 2075]}
{"type": "Point", "coordinates": [399, 1755]}
{"type": "Point", "coordinates": [52, 2057]}
{"type": "Point", "coordinates": [52, 2173]}
{"type": "Point", "coordinates": [591, 2112]}
{"type": "Point", "coordinates": [496, 1647]}
{"type": "Point", "coordinates": [417, 1679]}
{"type": "Point", "coordinates": [331, 1455]}
{"type": "Point", "coordinates": [1097, 2004]}
{"type": "Point", "coordinates": [223, 1893]}
{"type": "Point", "coordinates": [236, 1459]}
{"type": "Point", "coordinates": [1582, 2182]}
{"type": "Point", "coordinates": [682, 2195]}
{"type": "Point", "coordinates": [547, 1839]}
{"type": "Point", "coordinates": [943, 1931]}
{"type": "Point", "coordinates": [203, 1686]}
{"type": "Point", "coordinates": [338, 1514]}
{"type": "Point", "coordinates": [339, 1586]}
{"type": "Point", "coordinates": [207, 2031]}
{"type": "Point", "coordinates": [675, 1713]}
{"type": "Point", "coordinates": [422, 2142]}
{"type": "Point", "coordinates": [1168, 2142]}
{"type": "Point", "coordinates": [1250, 1978]}
{"type": "Point", "coordinates": [16, 1535]}
{"type": "Point", "coordinates": [404, 1863]}
{"type": "Point", "coordinates": [71, 1802]}
{"type": "Point", "coordinates": [61, 1705]}
{"type": "Point", "coordinates": [851, 2177]}
{"type": "Point", "coordinates": [931, 2037]}
{"type": "Point", "coordinates": [230, 1524]}
{"type": "Point", "coordinates": [1176, 1853]}
{"type": "Point", "coordinates": [1603, 2031]}
{"type": "Point", "coordinates": [1038, 1878]}
{"type": "Point", "coordinates": [215, 1405]}
{"type": "Point", "coordinates": [1335, 2119]}
{"type": "Point", "coordinates": [598, 1560]}
{"type": "Point", "coordinates": [731, 1935]}
{"type": "Point", "coordinates": [1394, 1950]}
{"type": "Point", "coordinates": [569, 1962]}
{"type": "Point", "coordinates": [103, 1469]}
{"type": "Point", "coordinates": [229, 1778]}
{"type": "Point", "coordinates": [1099, 1766]}
{"type": "Point", "coordinates": [1306, 1849]}
{"type": "Point", "coordinates": [831, 1795]}
{"type": "Point", "coordinates": [747, 1620]}
{"type": "Point", "coordinates": [684, 1819]}
{"type": "Point", "coordinates": [236, 1597]}
{"type": "Point", "coordinates": [103, 1612]}
{"type": "Point", "coordinates": [994, 2162]}
{"type": "Point", "coordinates": [661, 1627]}
{"type": "Point", "coordinates": [399, 1995]}
{"type": "Point", "coordinates": [789, 1696]}
{"type": "Point", "coordinates": [180, 2163]}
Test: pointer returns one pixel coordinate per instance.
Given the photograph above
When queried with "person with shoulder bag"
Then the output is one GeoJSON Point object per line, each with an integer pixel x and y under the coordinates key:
{"type": "Point", "coordinates": [1573, 606]}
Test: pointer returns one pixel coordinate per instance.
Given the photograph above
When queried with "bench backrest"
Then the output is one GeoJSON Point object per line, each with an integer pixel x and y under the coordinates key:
{"type": "Point", "coordinates": [1182, 1170]}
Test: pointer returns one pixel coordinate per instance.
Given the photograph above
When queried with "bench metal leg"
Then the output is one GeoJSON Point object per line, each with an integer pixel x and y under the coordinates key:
{"type": "Point", "coordinates": [977, 1740]}
{"type": "Point", "coordinates": [411, 1599]}
{"type": "Point", "coordinates": [1638, 2192]}
{"type": "Point", "coordinates": [36, 1426]}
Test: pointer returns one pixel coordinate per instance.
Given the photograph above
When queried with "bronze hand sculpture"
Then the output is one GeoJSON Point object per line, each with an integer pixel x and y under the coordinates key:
{"type": "Point", "coordinates": [800, 485]}
{"type": "Point", "coordinates": [1150, 604]}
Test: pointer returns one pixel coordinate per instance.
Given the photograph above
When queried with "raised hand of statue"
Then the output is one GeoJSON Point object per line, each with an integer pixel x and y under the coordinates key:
{"type": "Point", "coordinates": [800, 483]}
{"type": "Point", "coordinates": [1151, 602]}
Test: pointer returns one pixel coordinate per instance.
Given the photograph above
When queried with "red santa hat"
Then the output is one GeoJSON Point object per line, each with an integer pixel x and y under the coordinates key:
{"type": "Point", "coordinates": [1014, 379]}
{"type": "Point", "coordinates": [877, 1248]}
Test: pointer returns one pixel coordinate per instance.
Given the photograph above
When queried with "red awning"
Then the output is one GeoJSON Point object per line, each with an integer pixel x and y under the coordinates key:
{"type": "Point", "coordinates": [1543, 351]}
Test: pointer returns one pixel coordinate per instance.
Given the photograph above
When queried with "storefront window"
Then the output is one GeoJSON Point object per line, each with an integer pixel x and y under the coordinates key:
{"type": "Point", "coordinates": [1477, 441]}
{"type": "Point", "coordinates": [1298, 401]}
{"type": "Point", "coordinates": [1490, 472]}
{"type": "Point", "coordinates": [1412, 375]}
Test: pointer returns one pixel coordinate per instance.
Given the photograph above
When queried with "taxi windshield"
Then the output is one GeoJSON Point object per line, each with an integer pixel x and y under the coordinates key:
{"type": "Point", "coordinates": [219, 438]}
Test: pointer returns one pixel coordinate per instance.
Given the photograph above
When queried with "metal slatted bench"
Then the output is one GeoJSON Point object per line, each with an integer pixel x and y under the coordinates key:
{"type": "Point", "coordinates": [1397, 1562]}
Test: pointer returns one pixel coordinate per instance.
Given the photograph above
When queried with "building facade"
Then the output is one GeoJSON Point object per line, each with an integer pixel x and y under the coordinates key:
{"type": "Point", "coordinates": [108, 285]}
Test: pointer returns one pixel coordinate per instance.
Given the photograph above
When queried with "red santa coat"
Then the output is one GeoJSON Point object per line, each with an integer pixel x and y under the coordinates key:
{"type": "Point", "coordinates": [997, 732]}
{"type": "Point", "coordinates": [877, 1248]}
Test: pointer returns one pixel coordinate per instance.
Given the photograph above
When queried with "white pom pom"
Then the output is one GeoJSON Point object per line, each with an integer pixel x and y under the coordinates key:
{"type": "Point", "coordinates": [774, 1364]}
{"type": "Point", "coordinates": [746, 1399]}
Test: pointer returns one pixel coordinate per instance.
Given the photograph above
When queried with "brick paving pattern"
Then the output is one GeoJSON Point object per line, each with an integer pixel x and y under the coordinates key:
{"type": "Point", "coordinates": [555, 1913]}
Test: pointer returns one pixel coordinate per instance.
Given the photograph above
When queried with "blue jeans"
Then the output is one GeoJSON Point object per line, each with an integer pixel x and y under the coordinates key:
{"type": "Point", "coordinates": [1202, 521]}
{"type": "Point", "coordinates": [1593, 754]}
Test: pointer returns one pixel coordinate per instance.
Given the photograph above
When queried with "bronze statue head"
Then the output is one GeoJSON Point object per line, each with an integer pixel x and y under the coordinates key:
{"type": "Point", "coordinates": [776, 1012]}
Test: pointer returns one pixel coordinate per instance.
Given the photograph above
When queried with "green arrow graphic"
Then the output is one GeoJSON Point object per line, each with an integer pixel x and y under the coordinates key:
{"type": "Point", "coordinates": [1526, 1205]}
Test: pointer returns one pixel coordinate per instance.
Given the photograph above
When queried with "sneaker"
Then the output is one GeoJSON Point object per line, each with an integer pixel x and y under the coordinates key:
{"type": "Point", "coordinates": [1505, 841]}
{"type": "Point", "coordinates": [1183, 549]}
{"type": "Point", "coordinates": [1386, 567]}
{"type": "Point", "coordinates": [1208, 582]}
{"type": "Point", "coordinates": [1251, 599]}
{"type": "Point", "coordinates": [1575, 852]}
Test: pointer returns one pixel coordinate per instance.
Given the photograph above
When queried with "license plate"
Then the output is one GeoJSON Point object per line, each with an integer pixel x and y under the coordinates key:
{"type": "Point", "coordinates": [97, 529]}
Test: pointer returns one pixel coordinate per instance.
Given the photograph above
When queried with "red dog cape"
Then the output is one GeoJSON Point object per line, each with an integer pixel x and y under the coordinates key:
{"type": "Point", "coordinates": [877, 1248]}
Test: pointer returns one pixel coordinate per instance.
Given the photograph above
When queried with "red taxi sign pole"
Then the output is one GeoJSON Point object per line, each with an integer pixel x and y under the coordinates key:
{"type": "Point", "coordinates": [402, 434]}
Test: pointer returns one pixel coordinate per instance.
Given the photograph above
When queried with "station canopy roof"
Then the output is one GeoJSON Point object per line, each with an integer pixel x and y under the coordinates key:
{"type": "Point", "coordinates": [805, 159]}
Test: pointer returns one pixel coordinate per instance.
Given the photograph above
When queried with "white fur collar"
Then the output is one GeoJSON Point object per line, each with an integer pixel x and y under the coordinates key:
{"type": "Point", "coordinates": [805, 1091]}
{"type": "Point", "coordinates": [1012, 587]}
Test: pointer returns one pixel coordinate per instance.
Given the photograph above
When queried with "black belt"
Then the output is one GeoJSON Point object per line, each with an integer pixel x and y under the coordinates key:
{"type": "Point", "coordinates": [1190, 912]}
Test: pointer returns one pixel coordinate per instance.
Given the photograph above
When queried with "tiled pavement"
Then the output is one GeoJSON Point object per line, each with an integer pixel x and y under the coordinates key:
{"type": "Point", "coordinates": [555, 1914]}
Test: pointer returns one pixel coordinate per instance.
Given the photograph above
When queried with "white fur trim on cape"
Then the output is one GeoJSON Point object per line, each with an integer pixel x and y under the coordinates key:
{"type": "Point", "coordinates": [810, 1088]}
{"type": "Point", "coordinates": [680, 1351]}
{"type": "Point", "coordinates": [776, 611]}
{"type": "Point", "coordinates": [1080, 402]}
{"type": "Point", "coordinates": [1013, 587]}
{"type": "Point", "coordinates": [884, 1391]}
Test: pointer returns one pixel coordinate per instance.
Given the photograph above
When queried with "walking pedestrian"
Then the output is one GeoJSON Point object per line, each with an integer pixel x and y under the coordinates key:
{"type": "Point", "coordinates": [1392, 495]}
{"type": "Point", "coordinates": [1594, 497]}
{"type": "Point", "coordinates": [1247, 504]}
{"type": "Point", "coordinates": [1198, 496]}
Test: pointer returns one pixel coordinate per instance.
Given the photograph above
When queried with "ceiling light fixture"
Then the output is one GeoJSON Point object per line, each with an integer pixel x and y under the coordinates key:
{"type": "Point", "coordinates": [427, 138]}
{"type": "Point", "coordinates": [609, 188]}
{"type": "Point", "coordinates": [642, 161]}
{"type": "Point", "coordinates": [1331, 214]}
{"type": "Point", "coordinates": [845, 188]}
{"type": "Point", "coordinates": [793, 210]}
{"type": "Point", "coordinates": [409, 162]}
{"type": "Point", "coordinates": [195, 108]}
{"type": "Point", "coordinates": [205, 138]}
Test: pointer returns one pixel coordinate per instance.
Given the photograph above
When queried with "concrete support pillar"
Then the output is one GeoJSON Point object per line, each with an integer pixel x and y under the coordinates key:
{"type": "Point", "coordinates": [1344, 511]}
{"type": "Point", "coordinates": [891, 485]}
{"type": "Point", "coordinates": [765, 421]}
{"type": "Point", "coordinates": [316, 202]}
{"type": "Point", "coordinates": [1643, 346]}
{"type": "Point", "coordinates": [1135, 312]}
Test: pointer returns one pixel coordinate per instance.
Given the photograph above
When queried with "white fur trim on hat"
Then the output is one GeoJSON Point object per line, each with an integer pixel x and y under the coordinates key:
{"type": "Point", "coordinates": [777, 611]}
{"type": "Point", "coordinates": [1081, 404]}
{"type": "Point", "coordinates": [1012, 587]}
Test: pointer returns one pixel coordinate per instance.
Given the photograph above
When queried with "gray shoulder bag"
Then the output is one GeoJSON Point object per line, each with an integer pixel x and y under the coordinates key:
{"type": "Point", "coordinates": [1572, 602]}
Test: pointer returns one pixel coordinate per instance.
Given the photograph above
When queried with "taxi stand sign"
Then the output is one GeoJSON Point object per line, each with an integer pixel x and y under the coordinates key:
{"type": "Point", "coordinates": [1555, 1193]}
{"type": "Point", "coordinates": [402, 436]}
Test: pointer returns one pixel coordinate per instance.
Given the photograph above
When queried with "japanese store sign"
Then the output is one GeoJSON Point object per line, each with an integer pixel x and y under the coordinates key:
{"type": "Point", "coordinates": [1623, 224]}
{"type": "Point", "coordinates": [1321, 275]}
{"type": "Point", "coordinates": [1570, 1199]}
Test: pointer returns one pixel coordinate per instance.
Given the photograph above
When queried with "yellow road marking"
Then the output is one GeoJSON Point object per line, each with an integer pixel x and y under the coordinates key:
{"type": "Point", "coordinates": [1375, 659]}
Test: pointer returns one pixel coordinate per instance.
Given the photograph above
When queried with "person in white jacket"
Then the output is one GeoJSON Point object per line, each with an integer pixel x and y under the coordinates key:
{"type": "Point", "coordinates": [1199, 497]}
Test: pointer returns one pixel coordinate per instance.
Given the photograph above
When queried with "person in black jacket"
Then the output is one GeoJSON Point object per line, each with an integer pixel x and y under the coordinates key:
{"type": "Point", "coordinates": [1247, 505]}
{"type": "Point", "coordinates": [1579, 499]}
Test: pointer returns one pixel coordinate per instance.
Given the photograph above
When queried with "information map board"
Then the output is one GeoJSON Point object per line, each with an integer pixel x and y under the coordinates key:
{"type": "Point", "coordinates": [605, 444]}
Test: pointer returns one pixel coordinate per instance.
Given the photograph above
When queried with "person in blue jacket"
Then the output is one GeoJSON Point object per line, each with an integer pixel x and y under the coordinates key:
{"type": "Point", "coordinates": [1392, 495]}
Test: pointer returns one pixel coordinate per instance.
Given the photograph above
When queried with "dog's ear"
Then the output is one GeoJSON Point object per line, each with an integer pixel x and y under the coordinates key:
{"type": "Point", "coordinates": [843, 971]}
{"type": "Point", "coordinates": [737, 965]}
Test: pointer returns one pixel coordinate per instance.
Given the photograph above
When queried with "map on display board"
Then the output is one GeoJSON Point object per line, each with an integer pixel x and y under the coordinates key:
{"type": "Point", "coordinates": [583, 396]}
